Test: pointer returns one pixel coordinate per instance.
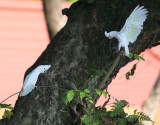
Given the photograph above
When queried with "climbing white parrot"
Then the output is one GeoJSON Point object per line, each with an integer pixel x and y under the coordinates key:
{"type": "Point", "coordinates": [131, 29]}
{"type": "Point", "coordinates": [31, 79]}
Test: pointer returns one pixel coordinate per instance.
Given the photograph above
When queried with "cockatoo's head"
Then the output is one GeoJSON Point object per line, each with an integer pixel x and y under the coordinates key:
{"type": "Point", "coordinates": [43, 68]}
{"type": "Point", "coordinates": [109, 35]}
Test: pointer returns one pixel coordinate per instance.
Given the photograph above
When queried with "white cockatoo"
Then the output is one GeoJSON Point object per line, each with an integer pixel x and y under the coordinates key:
{"type": "Point", "coordinates": [31, 79]}
{"type": "Point", "coordinates": [131, 29]}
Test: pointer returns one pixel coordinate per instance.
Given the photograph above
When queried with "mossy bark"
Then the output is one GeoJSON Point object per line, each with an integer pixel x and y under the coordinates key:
{"type": "Point", "coordinates": [75, 51]}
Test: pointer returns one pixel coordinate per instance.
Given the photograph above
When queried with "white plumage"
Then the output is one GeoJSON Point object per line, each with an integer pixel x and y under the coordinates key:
{"type": "Point", "coordinates": [131, 28]}
{"type": "Point", "coordinates": [31, 79]}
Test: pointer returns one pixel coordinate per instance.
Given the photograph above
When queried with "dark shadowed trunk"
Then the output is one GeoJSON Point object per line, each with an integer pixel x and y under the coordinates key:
{"type": "Point", "coordinates": [76, 52]}
{"type": "Point", "coordinates": [54, 18]}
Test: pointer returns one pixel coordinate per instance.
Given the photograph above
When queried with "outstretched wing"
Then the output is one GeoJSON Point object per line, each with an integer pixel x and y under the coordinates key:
{"type": "Point", "coordinates": [134, 24]}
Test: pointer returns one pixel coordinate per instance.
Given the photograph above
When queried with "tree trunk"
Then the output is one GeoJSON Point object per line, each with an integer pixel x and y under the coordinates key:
{"type": "Point", "coordinates": [54, 18]}
{"type": "Point", "coordinates": [151, 105]}
{"type": "Point", "coordinates": [76, 52]}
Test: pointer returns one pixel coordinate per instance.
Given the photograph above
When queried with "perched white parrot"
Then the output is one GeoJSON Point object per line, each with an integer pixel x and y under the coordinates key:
{"type": "Point", "coordinates": [31, 79]}
{"type": "Point", "coordinates": [131, 29]}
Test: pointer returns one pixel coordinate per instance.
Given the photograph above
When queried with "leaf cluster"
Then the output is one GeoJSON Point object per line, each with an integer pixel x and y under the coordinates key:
{"type": "Point", "coordinates": [86, 94]}
{"type": "Point", "coordinates": [125, 119]}
{"type": "Point", "coordinates": [93, 115]}
{"type": "Point", "coordinates": [118, 108]}
{"type": "Point", "coordinates": [131, 73]}
{"type": "Point", "coordinates": [8, 106]}
{"type": "Point", "coordinates": [131, 55]}
{"type": "Point", "coordinates": [8, 110]}
{"type": "Point", "coordinates": [7, 114]}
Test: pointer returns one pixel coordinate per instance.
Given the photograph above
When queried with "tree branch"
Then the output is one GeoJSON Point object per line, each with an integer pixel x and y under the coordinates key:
{"type": "Point", "coordinates": [100, 86]}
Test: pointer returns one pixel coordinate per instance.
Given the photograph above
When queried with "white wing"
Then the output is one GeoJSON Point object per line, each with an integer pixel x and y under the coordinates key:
{"type": "Point", "coordinates": [29, 83]}
{"type": "Point", "coordinates": [31, 79]}
{"type": "Point", "coordinates": [27, 90]}
{"type": "Point", "coordinates": [134, 24]}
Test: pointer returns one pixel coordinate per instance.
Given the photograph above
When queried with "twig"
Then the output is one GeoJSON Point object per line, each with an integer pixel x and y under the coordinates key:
{"type": "Point", "coordinates": [63, 111]}
{"type": "Point", "coordinates": [73, 86]}
{"type": "Point", "coordinates": [105, 103]}
{"type": "Point", "coordinates": [20, 91]}
{"type": "Point", "coordinates": [100, 86]}
{"type": "Point", "coordinates": [43, 86]}
{"type": "Point", "coordinates": [110, 71]}
{"type": "Point", "coordinates": [50, 86]}
{"type": "Point", "coordinates": [9, 97]}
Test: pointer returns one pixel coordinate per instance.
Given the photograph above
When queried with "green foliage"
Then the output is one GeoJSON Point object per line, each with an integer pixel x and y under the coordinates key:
{"type": "Point", "coordinates": [130, 55]}
{"type": "Point", "coordinates": [7, 114]}
{"type": "Point", "coordinates": [86, 91]}
{"type": "Point", "coordinates": [93, 115]}
{"type": "Point", "coordinates": [69, 96]}
{"type": "Point", "coordinates": [104, 93]}
{"type": "Point", "coordinates": [131, 73]}
{"type": "Point", "coordinates": [82, 94]}
{"type": "Point", "coordinates": [97, 72]}
{"type": "Point", "coordinates": [101, 92]}
{"type": "Point", "coordinates": [98, 92]}
{"type": "Point", "coordinates": [136, 57]}
{"type": "Point", "coordinates": [8, 106]}
{"type": "Point", "coordinates": [139, 117]}
{"type": "Point", "coordinates": [118, 108]}
{"type": "Point", "coordinates": [101, 72]}
{"type": "Point", "coordinates": [8, 110]}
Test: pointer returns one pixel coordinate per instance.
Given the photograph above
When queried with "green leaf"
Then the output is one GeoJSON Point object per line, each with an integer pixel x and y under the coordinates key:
{"type": "Point", "coordinates": [101, 72]}
{"type": "Point", "coordinates": [65, 100]}
{"type": "Point", "coordinates": [77, 92]}
{"type": "Point", "coordinates": [130, 55]}
{"type": "Point", "coordinates": [90, 97]}
{"type": "Point", "coordinates": [104, 72]}
{"type": "Point", "coordinates": [98, 92]}
{"type": "Point", "coordinates": [104, 93]}
{"type": "Point", "coordinates": [7, 114]}
{"type": "Point", "coordinates": [86, 91]}
{"type": "Point", "coordinates": [91, 101]}
{"type": "Point", "coordinates": [127, 75]}
{"type": "Point", "coordinates": [70, 95]}
{"type": "Point", "coordinates": [6, 106]}
{"type": "Point", "coordinates": [135, 111]}
{"type": "Point", "coordinates": [86, 119]}
{"type": "Point", "coordinates": [86, 99]}
{"type": "Point", "coordinates": [82, 95]}
{"type": "Point", "coordinates": [136, 57]}
{"type": "Point", "coordinates": [141, 58]}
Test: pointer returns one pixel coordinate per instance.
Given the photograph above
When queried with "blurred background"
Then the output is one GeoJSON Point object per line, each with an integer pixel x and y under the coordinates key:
{"type": "Point", "coordinates": [26, 27]}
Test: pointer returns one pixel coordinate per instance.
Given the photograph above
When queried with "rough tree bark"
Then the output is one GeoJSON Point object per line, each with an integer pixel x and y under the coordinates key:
{"type": "Point", "coordinates": [54, 18]}
{"type": "Point", "coordinates": [151, 105]}
{"type": "Point", "coordinates": [75, 51]}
